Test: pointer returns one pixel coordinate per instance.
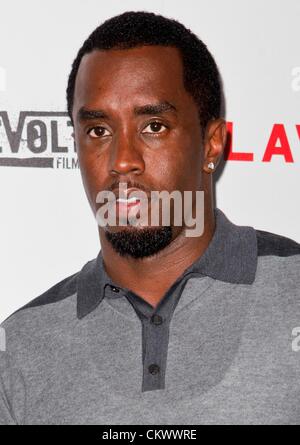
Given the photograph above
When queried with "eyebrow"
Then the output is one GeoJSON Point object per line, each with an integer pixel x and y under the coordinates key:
{"type": "Point", "coordinates": [162, 107]}
{"type": "Point", "coordinates": [159, 108]}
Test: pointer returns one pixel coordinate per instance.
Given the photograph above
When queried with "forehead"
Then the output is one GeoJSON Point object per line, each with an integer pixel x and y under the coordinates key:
{"type": "Point", "coordinates": [116, 75]}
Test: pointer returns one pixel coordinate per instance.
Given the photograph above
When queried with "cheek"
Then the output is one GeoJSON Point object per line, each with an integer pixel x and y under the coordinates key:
{"type": "Point", "coordinates": [178, 168]}
{"type": "Point", "coordinates": [190, 163]}
{"type": "Point", "coordinates": [194, 165]}
{"type": "Point", "coordinates": [93, 175]}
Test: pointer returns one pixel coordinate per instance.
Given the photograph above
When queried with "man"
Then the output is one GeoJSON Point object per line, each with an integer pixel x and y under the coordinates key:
{"type": "Point", "coordinates": [161, 327]}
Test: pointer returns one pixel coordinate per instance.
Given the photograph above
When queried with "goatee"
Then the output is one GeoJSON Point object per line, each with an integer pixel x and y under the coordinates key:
{"type": "Point", "coordinates": [140, 243]}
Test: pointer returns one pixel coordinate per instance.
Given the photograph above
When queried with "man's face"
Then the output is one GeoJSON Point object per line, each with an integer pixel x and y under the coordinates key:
{"type": "Point", "coordinates": [148, 149]}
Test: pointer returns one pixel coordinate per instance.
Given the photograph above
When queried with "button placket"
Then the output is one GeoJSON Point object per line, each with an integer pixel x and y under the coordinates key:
{"type": "Point", "coordinates": [156, 336]}
{"type": "Point", "coordinates": [156, 319]}
{"type": "Point", "coordinates": [154, 369]}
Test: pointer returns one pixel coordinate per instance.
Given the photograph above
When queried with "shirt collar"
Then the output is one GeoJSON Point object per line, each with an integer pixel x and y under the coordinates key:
{"type": "Point", "coordinates": [231, 256]}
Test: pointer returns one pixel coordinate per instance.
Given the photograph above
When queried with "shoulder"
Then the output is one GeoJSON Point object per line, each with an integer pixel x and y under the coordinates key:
{"type": "Point", "coordinates": [272, 244]}
{"type": "Point", "coordinates": [44, 310]}
{"type": "Point", "coordinates": [278, 264]}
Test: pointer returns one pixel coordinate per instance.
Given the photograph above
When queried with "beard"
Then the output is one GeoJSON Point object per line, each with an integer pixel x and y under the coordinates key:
{"type": "Point", "coordinates": [140, 243]}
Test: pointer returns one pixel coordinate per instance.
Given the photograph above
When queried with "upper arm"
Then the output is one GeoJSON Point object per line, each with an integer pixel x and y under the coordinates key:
{"type": "Point", "coordinates": [12, 392]}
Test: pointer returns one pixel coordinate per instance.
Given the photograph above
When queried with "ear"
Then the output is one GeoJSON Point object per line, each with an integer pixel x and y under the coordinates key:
{"type": "Point", "coordinates": [214, 143]}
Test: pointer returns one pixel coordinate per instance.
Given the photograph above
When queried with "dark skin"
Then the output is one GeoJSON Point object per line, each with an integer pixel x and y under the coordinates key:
{"type": "Point", "coordinates": [124, 147]}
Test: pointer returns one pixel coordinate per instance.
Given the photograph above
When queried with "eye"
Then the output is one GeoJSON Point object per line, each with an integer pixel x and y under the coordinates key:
{"type": "Point", "coordinates": [155, 127]}
{"type": "Point", "coordinates": [98, 132]}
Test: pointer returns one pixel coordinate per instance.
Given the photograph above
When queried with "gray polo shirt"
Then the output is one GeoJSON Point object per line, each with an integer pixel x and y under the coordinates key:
{"type": "Point", "coordinates": [221, 347]}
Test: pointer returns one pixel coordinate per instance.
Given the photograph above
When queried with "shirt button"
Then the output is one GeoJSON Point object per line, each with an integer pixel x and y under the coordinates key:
{"type": "Point", "coordinates": [115, 289]}
{"type": "Point", "coordinates": [156, 319]}
{"type": "Point", "coordinates": [154, 369]}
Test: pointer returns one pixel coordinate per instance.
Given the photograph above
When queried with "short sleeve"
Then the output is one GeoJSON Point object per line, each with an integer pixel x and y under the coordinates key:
{"type": "Point", "coordinates": [12, 392]}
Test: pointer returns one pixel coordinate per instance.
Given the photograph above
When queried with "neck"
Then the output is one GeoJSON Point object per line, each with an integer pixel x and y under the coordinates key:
{"type": "Point", "coordinates": [151, 277]}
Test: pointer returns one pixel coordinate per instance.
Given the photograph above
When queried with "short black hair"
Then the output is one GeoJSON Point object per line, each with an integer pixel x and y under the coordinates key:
{"type": "Point", "coordinates": [137, 28]}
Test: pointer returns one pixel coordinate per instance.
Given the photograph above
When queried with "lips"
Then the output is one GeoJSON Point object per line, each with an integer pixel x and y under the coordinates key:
{"type": "Point", "coordinates": [122, 207]}
{"type": "Point", "coordinates": [129, 196]}
{"type": "Point", "coordinates": [127, 199]}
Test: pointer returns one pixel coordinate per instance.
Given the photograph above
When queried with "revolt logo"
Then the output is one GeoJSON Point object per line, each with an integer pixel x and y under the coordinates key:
{"type": "Point", "coordinates": [37, 139]}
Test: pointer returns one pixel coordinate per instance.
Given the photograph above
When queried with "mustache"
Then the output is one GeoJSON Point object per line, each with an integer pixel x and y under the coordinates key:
{"type": "Point", "coordinates": [129, 184]}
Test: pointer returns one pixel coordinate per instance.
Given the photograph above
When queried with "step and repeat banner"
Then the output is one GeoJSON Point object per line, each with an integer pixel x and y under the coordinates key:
{"type": "Point", "coordinates": [47, 230]}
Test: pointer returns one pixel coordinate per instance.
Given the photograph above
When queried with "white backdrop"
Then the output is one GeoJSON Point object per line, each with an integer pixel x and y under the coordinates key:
{"type": "Point", "coordinates": [47, 228]}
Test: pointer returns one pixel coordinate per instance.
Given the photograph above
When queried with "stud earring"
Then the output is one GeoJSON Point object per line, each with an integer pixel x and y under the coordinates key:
{"type": "Point", "coordinates": [211, 166]}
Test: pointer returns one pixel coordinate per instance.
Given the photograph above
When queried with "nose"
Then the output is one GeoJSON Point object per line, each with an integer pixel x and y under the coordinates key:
{"type": "Point", "coordinates": [125, 156]}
